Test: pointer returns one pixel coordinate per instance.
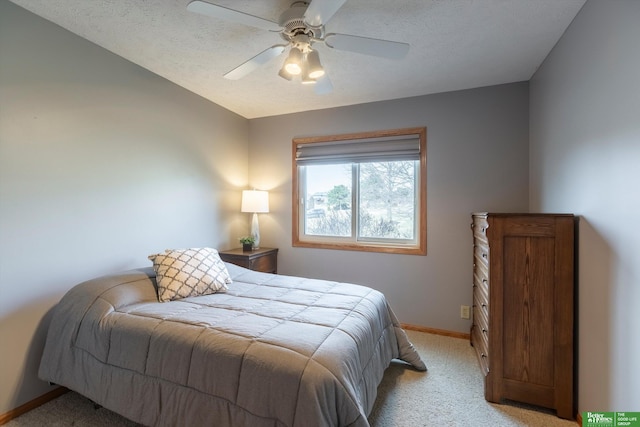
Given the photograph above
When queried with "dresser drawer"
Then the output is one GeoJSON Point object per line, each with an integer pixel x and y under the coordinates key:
{"type": "Point", "coordinates": [480, 307]}
{"type": "Point", "coordinates": [481, 281]}
{"type": "Point", "coordinates": [481, 254]}
{"type": "Point", "coordinates": [481, 320]}
{"type": "Point", "coordinates": [481, 349]}
{"type": "Point", "coordinates": [266, 263]}
{"type": "Point", "coordinates": [479, 227]}
{"type": "Point", "coordinates": [263, 259]}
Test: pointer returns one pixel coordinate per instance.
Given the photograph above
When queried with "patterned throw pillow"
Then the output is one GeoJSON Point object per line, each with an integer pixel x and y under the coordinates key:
{"type": "Point", "coordinates": [183, 273]}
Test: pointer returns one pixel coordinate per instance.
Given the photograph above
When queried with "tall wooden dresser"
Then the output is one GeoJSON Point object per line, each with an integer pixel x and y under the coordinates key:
{"type": "Point", "coordinates": [523, 308]}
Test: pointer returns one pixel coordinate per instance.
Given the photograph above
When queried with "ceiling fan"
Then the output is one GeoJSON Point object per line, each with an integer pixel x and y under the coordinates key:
{"type": "Point", "coordinates": [301, 25]}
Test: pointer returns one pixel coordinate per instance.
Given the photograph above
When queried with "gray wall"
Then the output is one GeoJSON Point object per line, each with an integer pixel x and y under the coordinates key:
{"type": "Point", "coordinates": [585, 158]}
{"type": "Point", "coordinates": [101, 164]}
{"type": "Point", "coordinates": [477, 159]}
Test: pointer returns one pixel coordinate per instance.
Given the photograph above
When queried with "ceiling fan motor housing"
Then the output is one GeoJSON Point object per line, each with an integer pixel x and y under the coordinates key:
{"type": "Point", "coordinates": [292, 23]}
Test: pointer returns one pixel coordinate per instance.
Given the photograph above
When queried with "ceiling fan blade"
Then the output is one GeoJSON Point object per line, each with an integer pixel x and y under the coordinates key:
{"type": "Point", "coordinates": [367, 46]}
{"type": "Point", "coordinates": [255, 62]}
{"type": "Point", "coordinates": [231, 15]}
{"type": "Point", "coordinates": [319, 12]}
{"type": "Point", "coordinates": [323, 85]}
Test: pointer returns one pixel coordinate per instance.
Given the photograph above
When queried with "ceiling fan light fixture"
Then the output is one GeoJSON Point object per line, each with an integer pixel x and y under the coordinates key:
{"type": "Point", "coordinates": [306, 78]}
{"type": "Point", "coordinates": [300, 26]}
{"type": "Point", "coordinates": [285, 74]}
{"type": "Point", "coordinates": [314, 67]}
{"type": "Point", "coordinates": [293, 63]}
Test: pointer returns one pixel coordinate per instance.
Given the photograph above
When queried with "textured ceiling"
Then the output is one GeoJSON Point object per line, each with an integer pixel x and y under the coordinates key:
{"type": "Point", "coordinates": [455, 44]}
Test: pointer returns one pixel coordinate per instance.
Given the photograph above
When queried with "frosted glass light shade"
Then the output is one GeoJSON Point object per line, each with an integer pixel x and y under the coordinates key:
{"type": "Point", "coordinates": [293, 63]}
{"type": "Point", "coordinates": [255, 201]}
{"type": "Point", "coordinates": [314, 68]}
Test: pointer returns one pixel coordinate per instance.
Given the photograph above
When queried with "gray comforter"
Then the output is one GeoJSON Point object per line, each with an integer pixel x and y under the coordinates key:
{"type": "Point", "coordinates": [272, 351]}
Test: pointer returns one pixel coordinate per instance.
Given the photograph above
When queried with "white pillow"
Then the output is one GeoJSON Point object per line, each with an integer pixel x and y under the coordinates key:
{"type": "Point", "coordinates": [183, 273]}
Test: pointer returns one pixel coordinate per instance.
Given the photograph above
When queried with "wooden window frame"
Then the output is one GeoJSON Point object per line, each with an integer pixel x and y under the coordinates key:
{"type": "Point", "coordinates": [419, 249]}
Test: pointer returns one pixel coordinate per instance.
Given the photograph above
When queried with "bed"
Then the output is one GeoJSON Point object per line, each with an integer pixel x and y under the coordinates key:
{"type": "Point", "coordinates": [269, 350]}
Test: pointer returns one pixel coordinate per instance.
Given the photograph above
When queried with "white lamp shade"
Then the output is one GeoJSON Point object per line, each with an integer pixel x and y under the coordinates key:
{"type": "Point", "coordinates": [314, 67]}
{"type": "Point", "coordinates": [255, 201]}
{"type": "Point", "coordinates": [293, 63]}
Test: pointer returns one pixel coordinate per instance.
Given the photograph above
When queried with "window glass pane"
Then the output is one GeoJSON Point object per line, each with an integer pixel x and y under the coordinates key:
{"type": "Point", "coordinates": [387, 200]}
{"type": "Point", "coordinates": [328, 200]}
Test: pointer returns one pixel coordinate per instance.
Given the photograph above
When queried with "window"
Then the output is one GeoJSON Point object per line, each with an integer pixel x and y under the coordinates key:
{"type": "Point", "coordinates": [364, 191]}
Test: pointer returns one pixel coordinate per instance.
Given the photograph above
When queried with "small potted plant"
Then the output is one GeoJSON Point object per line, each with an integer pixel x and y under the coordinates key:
{"type": "Point", "coordinates": [247, 243]}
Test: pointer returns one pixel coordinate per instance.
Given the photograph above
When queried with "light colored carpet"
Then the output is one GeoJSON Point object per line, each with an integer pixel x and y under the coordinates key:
{"type": "Point", "coordinates": [449, 394]}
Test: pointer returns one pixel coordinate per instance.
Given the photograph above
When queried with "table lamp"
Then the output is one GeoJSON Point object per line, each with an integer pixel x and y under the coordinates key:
{"type": "Point", "coordinates": [255, 202]}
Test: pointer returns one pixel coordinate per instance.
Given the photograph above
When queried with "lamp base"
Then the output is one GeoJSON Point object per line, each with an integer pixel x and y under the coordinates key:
{"type": "Point", "coordinates": [255, 231]}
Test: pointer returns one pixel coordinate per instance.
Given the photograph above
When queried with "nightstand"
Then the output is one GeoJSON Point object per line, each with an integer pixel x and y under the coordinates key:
{"type": "Point", "coordinates": [263, 259]}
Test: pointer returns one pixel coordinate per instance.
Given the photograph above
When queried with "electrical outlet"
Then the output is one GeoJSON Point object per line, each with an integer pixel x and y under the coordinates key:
{"type": "Point", "coordinates": [465, 312]}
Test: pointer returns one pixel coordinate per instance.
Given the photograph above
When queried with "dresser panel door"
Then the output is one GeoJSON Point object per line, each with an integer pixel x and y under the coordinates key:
{"type": "Point", "coordinates": [528, 315]}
